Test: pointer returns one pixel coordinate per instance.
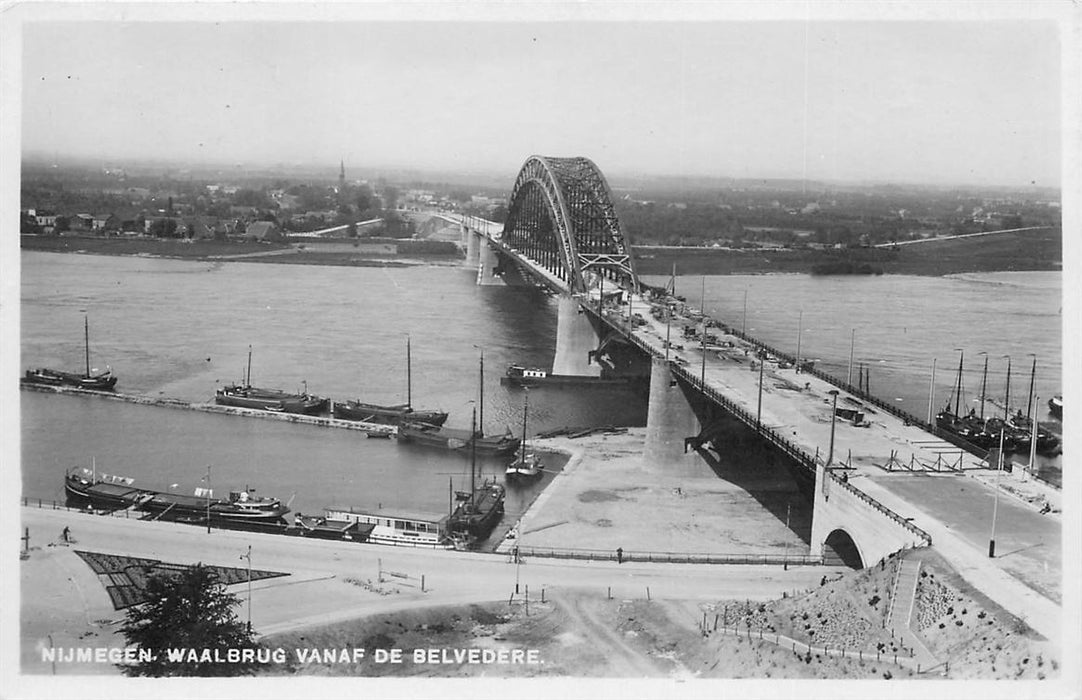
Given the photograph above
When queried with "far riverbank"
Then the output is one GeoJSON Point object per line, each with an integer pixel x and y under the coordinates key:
{"type": "Point", "coordinates": [1019, 251]}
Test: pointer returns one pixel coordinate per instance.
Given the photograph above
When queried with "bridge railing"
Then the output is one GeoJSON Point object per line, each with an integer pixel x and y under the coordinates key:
{"type": "Point", "coordinates": [926, 539]}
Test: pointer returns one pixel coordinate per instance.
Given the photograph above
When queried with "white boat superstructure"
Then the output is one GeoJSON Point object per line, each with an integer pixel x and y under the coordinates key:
{"type": "Point", "coordinates": [401, 529]}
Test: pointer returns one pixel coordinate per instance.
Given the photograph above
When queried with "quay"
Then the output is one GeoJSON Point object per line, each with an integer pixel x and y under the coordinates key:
{"type": "Point", "coordinates": [372, 429]}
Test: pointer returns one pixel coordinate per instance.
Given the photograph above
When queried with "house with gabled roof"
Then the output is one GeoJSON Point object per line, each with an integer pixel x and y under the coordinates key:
{"type": "Point", "coordinates": [263, 231]}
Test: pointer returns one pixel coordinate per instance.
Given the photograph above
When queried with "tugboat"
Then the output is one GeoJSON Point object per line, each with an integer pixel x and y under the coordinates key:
{"type": "Point", "coordinates": [248, 396]}
{"type": "Point", "coordinates": [91, 379]}
{"type": "Point", "coordinates": [390, 415]}
{"type": "Point", "coordinates": [105, 492]}
{"type": "Point", "coordinates": [528, 464]}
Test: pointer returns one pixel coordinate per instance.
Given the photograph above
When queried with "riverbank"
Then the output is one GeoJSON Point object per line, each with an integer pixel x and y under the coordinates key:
{"type": "Point", "coordinates": [1039, 250]}
{"type": "Point", "coordinates": [398, 253]}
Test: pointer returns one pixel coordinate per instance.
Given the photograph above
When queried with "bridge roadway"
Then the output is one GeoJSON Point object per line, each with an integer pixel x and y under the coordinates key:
{"type": "Point", "coordinates": [1024, 577]}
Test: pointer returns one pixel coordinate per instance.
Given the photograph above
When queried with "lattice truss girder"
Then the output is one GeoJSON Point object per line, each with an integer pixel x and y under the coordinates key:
{"type": "Point", "coordinates": [561, 216]}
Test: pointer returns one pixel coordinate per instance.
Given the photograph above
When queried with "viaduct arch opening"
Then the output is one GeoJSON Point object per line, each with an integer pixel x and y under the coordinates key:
{"type": "Point", "coordinates": [839, 548]}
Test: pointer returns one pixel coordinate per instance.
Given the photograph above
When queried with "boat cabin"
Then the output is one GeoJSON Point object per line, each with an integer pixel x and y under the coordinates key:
{"type": "Point", "coordinates": [410, 529]}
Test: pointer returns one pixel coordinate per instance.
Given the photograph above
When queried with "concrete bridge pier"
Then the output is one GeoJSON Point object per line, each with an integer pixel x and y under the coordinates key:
{"type": "Point", "coordinates": [576, 340]}
{"type": "Point", "coordinates": [670, 420]}
{"type": "Point", "coordinates": [473, 246]}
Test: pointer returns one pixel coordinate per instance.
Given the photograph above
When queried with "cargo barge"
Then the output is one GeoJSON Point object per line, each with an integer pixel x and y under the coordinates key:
{"type": "Point", "coordinates": [87, 488]}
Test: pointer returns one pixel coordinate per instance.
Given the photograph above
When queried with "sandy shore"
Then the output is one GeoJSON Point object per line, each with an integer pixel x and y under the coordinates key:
{"type": "Point", "coordinates": [607, 497]}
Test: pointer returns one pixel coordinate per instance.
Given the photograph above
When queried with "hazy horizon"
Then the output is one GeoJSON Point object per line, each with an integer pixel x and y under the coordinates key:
{"type": "Point", "coordinates": [941, 103]}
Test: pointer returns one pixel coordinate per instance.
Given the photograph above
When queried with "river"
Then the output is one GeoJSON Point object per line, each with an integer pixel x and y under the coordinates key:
{"type": "Point", "coordinates": [182, 328]}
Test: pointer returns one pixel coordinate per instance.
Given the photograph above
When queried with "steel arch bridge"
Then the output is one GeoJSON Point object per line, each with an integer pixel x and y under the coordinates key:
{"type": "Point", "coordinates": [561, 218]}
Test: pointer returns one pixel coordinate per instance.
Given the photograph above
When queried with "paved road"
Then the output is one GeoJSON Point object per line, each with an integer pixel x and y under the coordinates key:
{"type": "Point", "coordinates": [327, 579]}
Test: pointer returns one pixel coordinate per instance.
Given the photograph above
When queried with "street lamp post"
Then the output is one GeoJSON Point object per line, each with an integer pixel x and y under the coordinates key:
{"type": "Point", "coordinates": [744, 324]}
{"type": "Point", "coordinates": [759, 410]}
{"type": "Point", "coordinates": [833, 415]}
{"type": "Point", "coordinates": [931, 393]}
{"type": "Point", "coordinates": [995, 501]}
{"type": "Point", "coordinates": [799, 332]}
{"type": "Point", "coordinates": [786, 564]}
{"type": "Point", "coordinates": [852, 345]}
{"type": "Point", "coordinates": [702, 332]}
{"type": "Point", "coordinates": [248, 556]}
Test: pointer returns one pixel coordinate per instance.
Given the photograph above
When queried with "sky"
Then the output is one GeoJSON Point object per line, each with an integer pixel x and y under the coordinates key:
{"type": "Point", "coordinates": [938, 102]}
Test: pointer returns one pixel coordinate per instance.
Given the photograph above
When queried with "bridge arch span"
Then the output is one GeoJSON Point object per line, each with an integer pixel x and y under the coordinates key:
{"type": "Point", "coordinates": [561, 217]}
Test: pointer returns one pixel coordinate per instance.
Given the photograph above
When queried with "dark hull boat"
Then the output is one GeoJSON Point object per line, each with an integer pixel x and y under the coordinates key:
{"type": "Point", "coordinates": [104, 381]}
{"type": "Point", "coordinates": [248, 396]}
{"type": "Point", "coordinates": [270, 400]}
{"type": "Point", "coordinates": [453, 439]}
{"type": "Point", "coordinates": [969, 428]}
{"type": "Point", "coordinates": [91, 379]}
{"type": "Point", "coordinates": [476, 515]}
{"type": "Point", "coordinates": [390, 415]}
{"type": "Point", "coordinates": [386, 415]}
{"type": "Point", "coordinates": [86, 487]}
{"type": "Point", "coordinates": [1022, 427]}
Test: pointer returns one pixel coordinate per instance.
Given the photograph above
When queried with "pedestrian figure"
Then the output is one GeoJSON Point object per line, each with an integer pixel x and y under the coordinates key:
{"type": "Point", "coordinates": [66, 534]}
{"type": "Point", "coordinates": [516, 553]}
{"type": "Point", "coordinates": [619, 555]}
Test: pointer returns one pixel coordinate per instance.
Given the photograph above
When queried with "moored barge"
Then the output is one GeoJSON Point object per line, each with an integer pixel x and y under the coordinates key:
{"type": "Point", "coordinates": [455, 439]}
{"type": "Point", "coordinates": [86, 487]}
{"type": "Point", "coordinates": [386, 415]}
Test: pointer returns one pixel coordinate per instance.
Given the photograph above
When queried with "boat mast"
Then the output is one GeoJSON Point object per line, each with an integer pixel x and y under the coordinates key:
{"type": "Point", "coordinates": [86, 339]}
{"type": "Point", "coordinates": [525, 408]}
{"type": "Point", "coordinates": [248, 375]}
{"type": "Point", "coordinates": [481, 394]}
{"type": "Point", "coordinates": [1007, 399]}
{"type": "Point", "coordinates": [984, 384]}
{"type": "Point", "coordinates": [1032, 376]}
{"type": "Point", "coordinates": [473, 459]}
{"type": "Point", "coordinates": [1033, 435]}
{"type": "Point", "coordinates": [958, 388]}
{"type": "Point", "coordinates": [409, 378]}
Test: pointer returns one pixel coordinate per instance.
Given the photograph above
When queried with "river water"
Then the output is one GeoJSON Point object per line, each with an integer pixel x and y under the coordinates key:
{"type": "Point", "coordinates": [181, 328]}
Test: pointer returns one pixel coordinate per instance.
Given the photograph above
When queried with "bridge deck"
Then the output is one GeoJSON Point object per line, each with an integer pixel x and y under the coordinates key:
{"type": "Point", "coordinates": [955, 510]}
